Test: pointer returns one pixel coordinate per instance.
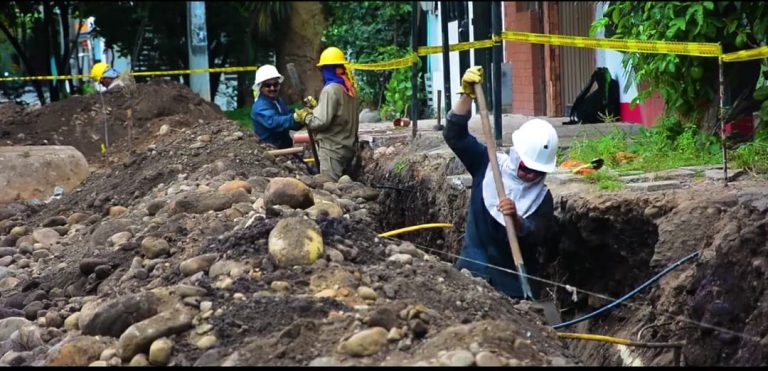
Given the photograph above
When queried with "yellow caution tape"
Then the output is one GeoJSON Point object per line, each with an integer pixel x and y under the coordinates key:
{"type": "Point", "coordinates": [387, 65]}
{"type": "Point", "coordinates": [636, 46]}
{"type": "Point", "coordinates": [746, 55]}
{"type": "Point", "coordinates": [426, 50]}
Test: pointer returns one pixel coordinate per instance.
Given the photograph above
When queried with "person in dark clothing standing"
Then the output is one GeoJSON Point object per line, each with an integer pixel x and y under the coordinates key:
{"type": "Point", "coordinates": [528, 200]}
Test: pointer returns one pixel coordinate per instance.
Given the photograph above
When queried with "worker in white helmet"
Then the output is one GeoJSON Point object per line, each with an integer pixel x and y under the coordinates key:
{"type": "Point", "coordinates": [529, 201]}
{"type": "Point", "coordinates": [272, 118]}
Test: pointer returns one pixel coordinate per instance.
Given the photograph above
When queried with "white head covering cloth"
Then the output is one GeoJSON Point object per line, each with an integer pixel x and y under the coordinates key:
{"type": "Point", "coordinates": [527, 196]}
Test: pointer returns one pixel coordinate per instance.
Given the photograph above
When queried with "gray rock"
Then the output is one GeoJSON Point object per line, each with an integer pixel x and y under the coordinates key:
{"type": "Point", "coordinates": [88, 265]}
{"type": "Point", "coordinates": [384, 317]}
{"type": "Point", "coordinates": [188, 290]}
{"type": "Point", "coordinates": [46, 236]}
{"type": "Point", "coordinates": [201, 202]}
{"type": "Point", "coordinates": [364, 343]}
{"type": "Point", "coordinates": [31, 309]}
{"type": "Point", "coordinates": [488, 359]}
{"type": "Point", "coordinates": [199, 263]}
{"type": "Point", "coordinates": [288, 191]}
{"type": "Point", "coordinates": [457, 358]}
{"type": "Point", "coordinates": [6, 261]}
{"type": "Point", "coordinates": [55, 221]}
{"type": "Point", "coordinates": [139, 336]}
{"type": "Point", "coordinates": [654, 186]}
{"type": "Point", "coordinates": [155, 206]}
{"type": "Point", "coordinates": [9, 241]}
{"type": "Point", "coordinates": [225, 267]}
{"type": "Point", "coordinates": [108, 229]}
{"type": "Point", "coordinates": [9, 325]}
{"type": "Point", "coordinates": [154, 247]}
{"type": "Point", "coordinates": [113, 317]}
{"type": "Point", "coordinates": [7, 251]}
{"type": "Point", "coordinates": [160, 352]}
{"type": "Point", "coordinates": [102, 272]}
{"type": "Point", "coordinates": [258, 183]}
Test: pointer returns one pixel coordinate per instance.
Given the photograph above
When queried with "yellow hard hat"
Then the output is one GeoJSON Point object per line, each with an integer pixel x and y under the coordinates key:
{"type": "Point", "coordinates": [98, 70]}
{"type": "Point", "coordinates": [331, 56]}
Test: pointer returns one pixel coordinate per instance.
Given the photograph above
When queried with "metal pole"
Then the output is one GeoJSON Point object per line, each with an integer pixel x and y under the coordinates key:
{"type": "Point", "coordinates": [414, 69]}
{"type": "Point", "coordinates": [496, 75]}
{"type": "Point", "coordinates": [464, 35]}
{"type": "Point", "coordinates": [446, 61]}
{"type": "Point", "coordinates": [722, 122]}
{"type": "Point", "coordinates": [197, 42]}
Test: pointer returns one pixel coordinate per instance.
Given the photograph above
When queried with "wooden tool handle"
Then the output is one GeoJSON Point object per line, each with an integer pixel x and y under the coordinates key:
{"type": "Point", "coordinates": [509, 224]}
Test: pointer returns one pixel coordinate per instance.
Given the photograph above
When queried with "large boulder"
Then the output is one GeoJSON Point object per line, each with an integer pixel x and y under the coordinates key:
{"type": "Point", "coordinates": [288, 191]}
{"type": "Point", "coordinates": [295, 241]}
{"type": "Point", "coordinates": [32, 172]}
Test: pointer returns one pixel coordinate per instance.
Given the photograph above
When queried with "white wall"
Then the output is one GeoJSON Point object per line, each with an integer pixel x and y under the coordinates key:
{"type": "Point", "coordinates": [435, 38]}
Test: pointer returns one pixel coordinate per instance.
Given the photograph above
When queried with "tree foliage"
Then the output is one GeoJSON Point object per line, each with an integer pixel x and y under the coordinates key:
{"type": "Point", "coordinates": [370, 31]}
{"type": "Point", "coordinates": [687, 83]}
{"type": "Point", "coordinates": [34, 30]}
{"type": "Point", "coordinates": [232, 27]}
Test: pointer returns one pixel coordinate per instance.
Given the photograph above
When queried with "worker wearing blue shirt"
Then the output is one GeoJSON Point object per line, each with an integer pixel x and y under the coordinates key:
{"type": "Point", "coordinates": [528, 200]}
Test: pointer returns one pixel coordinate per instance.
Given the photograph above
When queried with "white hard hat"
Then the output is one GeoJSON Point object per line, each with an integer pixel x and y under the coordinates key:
{"type": "Point", "coordinates": [264, 73]}
{"type": "Point", "coordinates": [536, 143]}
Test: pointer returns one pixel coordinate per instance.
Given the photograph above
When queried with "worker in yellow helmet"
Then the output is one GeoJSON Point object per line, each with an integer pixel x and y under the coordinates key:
{"type": "Point", "coordinates": [335, 119]}
{"type": "Point", "coordinates": [105, 78]}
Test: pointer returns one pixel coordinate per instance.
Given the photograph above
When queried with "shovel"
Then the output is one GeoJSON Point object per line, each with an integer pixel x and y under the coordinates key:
{"type": "Point", "coordinates": [551, 314]}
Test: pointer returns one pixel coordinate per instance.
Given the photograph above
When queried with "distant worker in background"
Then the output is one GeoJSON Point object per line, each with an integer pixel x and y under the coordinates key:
{"type": "Point", "coordinates": [528, 200]}
{"type": "Point", "coordinates": [105, 77]}
{"type": "Point", "coordinates": [272, 118]}
{"type": "Point", "coordinates": [335, 120]}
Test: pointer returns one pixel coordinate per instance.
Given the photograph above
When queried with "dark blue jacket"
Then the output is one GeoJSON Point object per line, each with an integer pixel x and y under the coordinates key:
{"type": "Point", "coordinates": [272, 121]}
{"type": "Point", "coordinates": [485, 239]}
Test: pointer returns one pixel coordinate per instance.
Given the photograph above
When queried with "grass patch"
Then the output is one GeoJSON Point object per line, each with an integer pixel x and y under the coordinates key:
{"type": "Point", "coordinates": [649, 150]}
{"type": "Point", "coordinates": [605, 181]}
{"type": "Point", "coordinates": [242, 116]}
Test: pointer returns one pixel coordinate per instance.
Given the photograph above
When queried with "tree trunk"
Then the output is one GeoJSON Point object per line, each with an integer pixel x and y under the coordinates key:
{"type": "Point", "coordinates": [302, 45]}
{"type": "Point", "coordinates": [242, 89]}
{"type": "Point", "coordinates": [50, 48]}
{"type": "Point", "coordinates": [24, 59]}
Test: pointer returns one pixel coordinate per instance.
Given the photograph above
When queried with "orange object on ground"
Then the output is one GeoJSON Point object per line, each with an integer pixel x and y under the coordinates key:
{"type": "Point", "coordinates": [571, 163]}
{"type": "Point", "coordinates": [586, 170]}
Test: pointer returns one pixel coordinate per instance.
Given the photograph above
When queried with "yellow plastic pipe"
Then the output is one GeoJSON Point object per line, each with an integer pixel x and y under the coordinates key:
{"type": "Point", "coordinates": [620, 341]}
{"type": "Point", "coordinates": [603, 338]}
{"type": "Point", "coordinates": [415, 228]}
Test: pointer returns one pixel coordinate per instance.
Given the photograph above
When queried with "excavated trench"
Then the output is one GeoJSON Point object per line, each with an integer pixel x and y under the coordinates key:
{"type": "Point", "coordinates": [610, 246]}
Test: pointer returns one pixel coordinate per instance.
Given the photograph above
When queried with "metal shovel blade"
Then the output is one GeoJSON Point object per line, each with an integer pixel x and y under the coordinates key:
{"type": "Point", "coordinates": [547, 307]}
{"type": "Point", "coordinates": [550, 311]}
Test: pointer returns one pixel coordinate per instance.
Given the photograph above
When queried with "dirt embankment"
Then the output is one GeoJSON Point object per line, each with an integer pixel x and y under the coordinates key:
{"type": "Point", "coordinates": [80, 121]}
{"type": "Point", "coordinates": [610, 244]}
{"type": "Point", "coordinates": [163, 257]}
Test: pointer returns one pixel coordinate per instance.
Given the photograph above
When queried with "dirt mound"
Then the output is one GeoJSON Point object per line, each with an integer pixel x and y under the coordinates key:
{"type": "Point", "coordinates": [80, 121]}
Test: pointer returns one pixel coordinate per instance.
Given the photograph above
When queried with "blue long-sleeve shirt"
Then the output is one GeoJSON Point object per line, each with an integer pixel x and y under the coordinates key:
{"type": "Point", "coordinates": [273, 121]}
{"type": "Point", "coordinates": [485, 239]}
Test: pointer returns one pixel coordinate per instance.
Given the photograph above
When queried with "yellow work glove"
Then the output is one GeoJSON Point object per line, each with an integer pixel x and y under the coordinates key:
{"type": "Point", "coordinates": [472, 76]}
{"type": "Point", "coordinates": [310, 102]}
{"type": "Point", "coordinates": [301, 115]}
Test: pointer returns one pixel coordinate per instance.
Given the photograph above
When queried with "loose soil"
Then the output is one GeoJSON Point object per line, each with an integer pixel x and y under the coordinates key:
{"type": "Point", "coordinates": [611, 243]}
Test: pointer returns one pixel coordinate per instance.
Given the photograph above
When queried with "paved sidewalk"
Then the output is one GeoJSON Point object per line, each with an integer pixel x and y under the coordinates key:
{"type": "Point", "coordinates": [510, 122]}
